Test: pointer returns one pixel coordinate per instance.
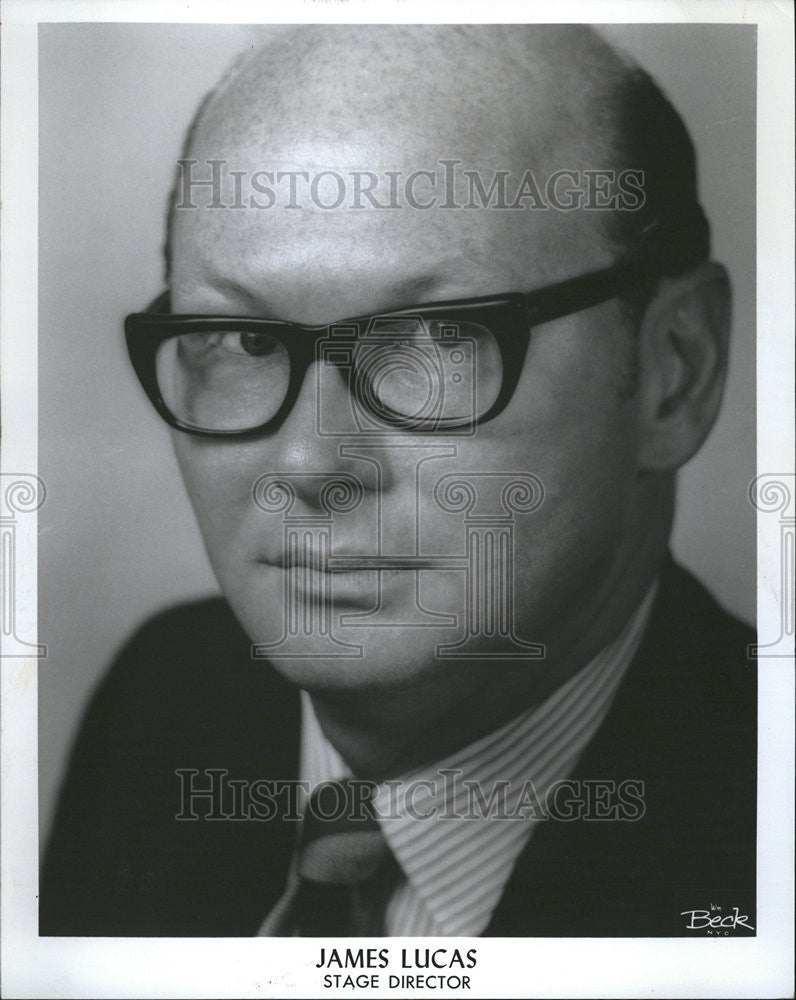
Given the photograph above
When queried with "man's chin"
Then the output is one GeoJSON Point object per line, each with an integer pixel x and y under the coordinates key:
{"type": "Point", "coordinates": [405, 639]}
{"type": "Point", "coordinates": [376, 664]}
{"type": "Point", "coordinates": [365, 633]}
{"type": "Point", "coordinates": [399, 660]}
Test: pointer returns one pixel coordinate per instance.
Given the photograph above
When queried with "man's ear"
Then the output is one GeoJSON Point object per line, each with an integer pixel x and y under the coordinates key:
{"type": "Point", "coordinates": [683, 363]}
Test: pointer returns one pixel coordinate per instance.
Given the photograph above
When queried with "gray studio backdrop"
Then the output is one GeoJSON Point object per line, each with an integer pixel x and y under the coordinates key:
{"type": "Point", "coordinates": [118, 540]}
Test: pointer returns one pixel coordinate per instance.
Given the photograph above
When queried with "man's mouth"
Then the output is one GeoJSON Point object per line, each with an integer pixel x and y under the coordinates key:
{"type": "Point", "coordinates": [358, 563]}
{"type": "Point", "coordinates": [352, 579]}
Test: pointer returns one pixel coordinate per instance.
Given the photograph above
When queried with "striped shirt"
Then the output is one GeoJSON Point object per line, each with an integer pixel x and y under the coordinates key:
{"type": "Point", "coordinates": [457, 827]}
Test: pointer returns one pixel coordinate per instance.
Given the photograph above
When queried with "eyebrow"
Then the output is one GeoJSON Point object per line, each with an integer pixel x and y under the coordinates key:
{"type": "Point", "coordinates": [414, 288]}
{"type": "Point", "coordinates": [229, 285]}
{"type": "Point", "coordinates": [407, 292]}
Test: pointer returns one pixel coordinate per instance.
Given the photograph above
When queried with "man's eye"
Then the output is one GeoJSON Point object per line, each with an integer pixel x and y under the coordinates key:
{"type": "Point", "coordinates": [254, 344]}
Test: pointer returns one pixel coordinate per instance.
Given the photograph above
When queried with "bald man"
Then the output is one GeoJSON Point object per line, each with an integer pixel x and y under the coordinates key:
{"type": "Point", "coordinates": [441, 327]}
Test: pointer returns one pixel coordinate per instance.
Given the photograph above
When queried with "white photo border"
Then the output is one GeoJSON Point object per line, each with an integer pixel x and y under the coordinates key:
{"type": "Point", "coordinates": [167, 967]}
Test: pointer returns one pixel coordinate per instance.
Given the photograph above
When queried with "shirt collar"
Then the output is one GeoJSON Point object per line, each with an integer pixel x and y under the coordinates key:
{"type": "Point", "coordinates": [457, 826]}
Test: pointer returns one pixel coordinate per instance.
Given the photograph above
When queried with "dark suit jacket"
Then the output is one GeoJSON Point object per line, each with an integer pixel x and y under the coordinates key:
{"type": "Point", "coordinates": [185, 694]}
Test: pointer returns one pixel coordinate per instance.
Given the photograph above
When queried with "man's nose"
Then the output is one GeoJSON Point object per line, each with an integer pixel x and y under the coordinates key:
{"type": "Point", "coordinates": [312, 439]}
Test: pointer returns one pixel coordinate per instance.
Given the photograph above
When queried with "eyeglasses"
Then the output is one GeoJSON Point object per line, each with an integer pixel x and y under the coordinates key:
{"type": "Point", "coordinates": [441, 366]}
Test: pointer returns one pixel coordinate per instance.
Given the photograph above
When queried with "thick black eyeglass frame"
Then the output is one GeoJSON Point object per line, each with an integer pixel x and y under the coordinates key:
{"type": "Point", "coordinates": [510, 317]}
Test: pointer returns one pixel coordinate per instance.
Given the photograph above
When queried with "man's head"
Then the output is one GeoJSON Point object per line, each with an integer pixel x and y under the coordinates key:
{"type": "Point", "coordinates": [609, 402]}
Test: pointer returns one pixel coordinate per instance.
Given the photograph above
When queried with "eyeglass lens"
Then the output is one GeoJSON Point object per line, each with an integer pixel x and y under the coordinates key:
{"type": "Point", "coordinates": [419, 370]}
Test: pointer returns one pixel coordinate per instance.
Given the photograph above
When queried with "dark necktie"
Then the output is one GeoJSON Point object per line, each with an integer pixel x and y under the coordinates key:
{"type": "Point", "coordinates": [344, 868]}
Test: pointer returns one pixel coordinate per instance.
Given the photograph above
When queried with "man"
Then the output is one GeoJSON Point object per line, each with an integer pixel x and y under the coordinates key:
{"type": "Point", "coordinates": [393, 368]}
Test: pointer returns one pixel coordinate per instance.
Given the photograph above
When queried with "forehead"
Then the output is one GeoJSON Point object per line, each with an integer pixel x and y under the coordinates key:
{"type": "Point", "coordinates": [331, 115]}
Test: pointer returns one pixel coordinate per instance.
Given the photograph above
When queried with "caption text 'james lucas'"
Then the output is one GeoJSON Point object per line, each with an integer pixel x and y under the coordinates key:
{"type": "Point", "coordinates": [406, 958]}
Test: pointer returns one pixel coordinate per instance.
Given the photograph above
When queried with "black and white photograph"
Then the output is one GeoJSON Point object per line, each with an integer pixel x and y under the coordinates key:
{"type": "Point", "coordinates": [404, 544]}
